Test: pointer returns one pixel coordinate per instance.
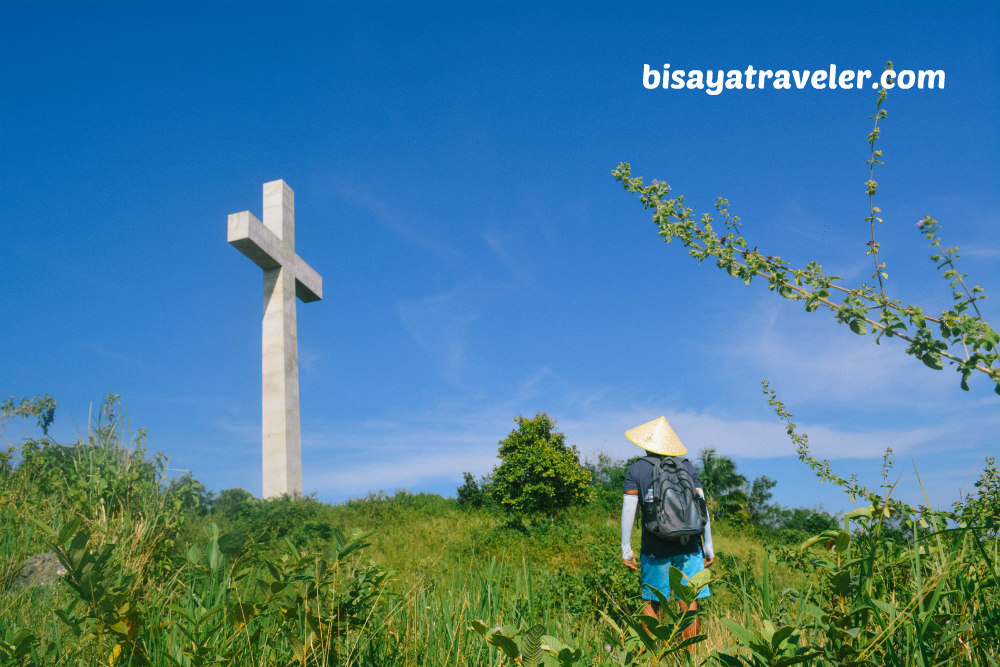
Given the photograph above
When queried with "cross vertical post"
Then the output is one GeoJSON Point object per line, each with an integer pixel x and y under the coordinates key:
{"type": "Point", "coordinates": [271, 245]}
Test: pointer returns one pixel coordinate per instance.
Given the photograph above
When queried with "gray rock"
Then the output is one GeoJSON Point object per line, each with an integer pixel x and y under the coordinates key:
{"type": "Point", "coordinates": [39, 570]}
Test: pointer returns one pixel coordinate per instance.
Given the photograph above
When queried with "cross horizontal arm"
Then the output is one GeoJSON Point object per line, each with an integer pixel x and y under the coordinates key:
{"type": "Point", "coordinates": [249, 235]}
{"type": "Point", "coordinates": [253, 239]}
{"type": "Point", "coordinates": [308, 283]}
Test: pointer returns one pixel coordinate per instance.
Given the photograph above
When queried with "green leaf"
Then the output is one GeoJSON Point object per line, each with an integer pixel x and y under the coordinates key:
{"type": "Point", "coordinates": [568, 657]}
{"type": "Point", "coordinates": [71, 622]}
{"type": "Point", "coordinates": [813, 610]}
{"type": "Point", "coordinates": [861, 511]}
{"type": "Point", "coordinates": [607, 619]}
{"type": "Point", "coordinates": [780, 635]}
{"type": "Point", "coordinates": [728, 660]}
{"type": "Point", "coordinates": [505, 644]}
{"type": "Point", "coordinates": [749, 638]}
{"type": "Point", "coordinates": [531, 649]}
{"type": "Point", "coordinates": [663, 600]}
{"type": "Point", "coordinates": [701, 579]}
{"type": "Point", "coordinates": [859, 327]}
{"type": "Point", "coordinates": [932, 360]}
{"type": "Point", "coordinates": [794, 660]}
{"type": "Point", "coordinates": [690, 641]}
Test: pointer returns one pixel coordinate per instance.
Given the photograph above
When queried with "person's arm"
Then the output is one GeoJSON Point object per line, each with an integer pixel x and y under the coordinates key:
{"type": "Point", "coordinates": [629, 502]}
{"type": "Point", "coordinates": [708, 548]}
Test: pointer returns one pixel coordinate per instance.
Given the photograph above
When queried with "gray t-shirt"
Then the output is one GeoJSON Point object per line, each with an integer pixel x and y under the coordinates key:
{"type": "Point", "coordinates": [640, 478]}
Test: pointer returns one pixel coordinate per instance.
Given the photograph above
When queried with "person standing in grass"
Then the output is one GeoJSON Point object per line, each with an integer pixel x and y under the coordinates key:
{"type": "Point", "coordinates": [689, 554]}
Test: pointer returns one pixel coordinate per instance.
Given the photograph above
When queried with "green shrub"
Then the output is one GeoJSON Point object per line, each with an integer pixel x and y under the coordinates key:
{"type": "Point", "coordinates": [539, 474]}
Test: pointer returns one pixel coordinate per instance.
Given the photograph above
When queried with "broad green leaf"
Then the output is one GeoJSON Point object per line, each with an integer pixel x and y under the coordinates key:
{"type": "Point", "coordinates": [728, 660]}
{"type": "Point", "coordinates": [701, 579]}
{"type": "Point", "coordinates": [813, 610]}
{"type": "Point", "coordinates": [794, 660]}
{"type": "Point", "coordinates": [505, 644]}
{"type": "Point", "coordinates": [748, 637]}
{"type": "Point", "coordinates": [661, 598]}
{"type": "Point", "coordinates": [553, 644]}
{"type": "Point", "coordinates": [568, 657]}
{"type": "Point", "coordinates": [780, 635]}
{"type": "Point", "coordinates": [933, 360]}
{"type": "Point", "coordinates": [861, 511]}
{"type": "Point", "coordinates": [531, 646]}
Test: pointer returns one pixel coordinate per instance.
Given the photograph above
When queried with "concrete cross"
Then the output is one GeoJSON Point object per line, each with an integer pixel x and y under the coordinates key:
{"type": "Point", "coordinates": [271, 245]}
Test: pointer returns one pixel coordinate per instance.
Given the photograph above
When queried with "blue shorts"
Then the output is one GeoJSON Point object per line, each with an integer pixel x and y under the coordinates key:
{"type": "Point", "coordinates": [655, 572]}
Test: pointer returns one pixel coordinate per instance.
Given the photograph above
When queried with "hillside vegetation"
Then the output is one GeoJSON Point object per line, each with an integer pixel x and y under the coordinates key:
{"type": "Point", "coordinates": [165, 573]}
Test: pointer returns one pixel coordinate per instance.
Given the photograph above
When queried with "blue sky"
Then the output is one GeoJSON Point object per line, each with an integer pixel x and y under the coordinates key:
{"type": "Point", "coordinates": [452, 170]}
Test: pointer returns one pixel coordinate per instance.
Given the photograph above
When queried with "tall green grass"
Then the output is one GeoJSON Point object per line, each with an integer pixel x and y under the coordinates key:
{"type": "Point", "coordinates": [159, 576]}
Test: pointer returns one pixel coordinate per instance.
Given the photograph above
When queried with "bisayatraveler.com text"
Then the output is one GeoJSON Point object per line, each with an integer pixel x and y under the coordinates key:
{"type": "Point", "coordinates": [714, 82]}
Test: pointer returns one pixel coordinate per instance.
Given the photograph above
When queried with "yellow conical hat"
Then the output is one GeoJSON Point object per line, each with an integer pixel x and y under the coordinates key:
{"type": "Point", "coordinates": [657, 437]}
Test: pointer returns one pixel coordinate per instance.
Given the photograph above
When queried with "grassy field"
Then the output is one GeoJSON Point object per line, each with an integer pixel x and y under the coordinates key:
{"type": "Point", "coordinates": [163, 574]}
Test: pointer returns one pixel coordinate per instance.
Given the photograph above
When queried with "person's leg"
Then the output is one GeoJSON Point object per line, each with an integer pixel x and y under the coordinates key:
{"type": "Point", "coordinates": [691, 630]}
{"type": "Point", "coordinates": [651, 609]}
{"type": "Point", "coordinates": [690, 565]}
{"type": "Point", "coordinates": [651, 574]}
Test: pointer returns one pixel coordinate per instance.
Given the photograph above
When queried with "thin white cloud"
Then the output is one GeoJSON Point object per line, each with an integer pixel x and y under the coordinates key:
{"type": "Point", "coordinates": [980, 252]}
{"type": "Point", "coordinates": [516, 267]}
{"type": "Point", "coordinates": [440, 325]}
{"type": "Point", "coordinates": [308, 359]}
{"type": "Point", "coordinates": [442, 445]}
{"type": "Point", "coordinates": [407, 227]}
{"type": "Point", "coordinates": [374, 476]}
{"type": "Point", "coordinates": [245, 431]}
{"type": "Point", "coordinates": [818, 360]}
{"type": "Point", "coordinates": [743, 438]}
{"type": "Point", "coordinates": [532, 385]}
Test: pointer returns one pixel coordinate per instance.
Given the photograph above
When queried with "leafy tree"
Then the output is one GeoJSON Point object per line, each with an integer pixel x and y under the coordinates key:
{"type": "Point", "coordinates": [234, 504]}
{"type": "Point", "coordinates": [471, 494]}
{"type": "Point", "coordinates": [607, 477]}
{"type": "Point", "coordinates": [42, 408]}
{"type": "Point", "coordinates": [539, 474]}
{"type": "Point", "coordinates": [760, 493]}
{"type": "Point", "coordinates": [724, 487]}
{"type": "Point", "coordinates": [795, 525]}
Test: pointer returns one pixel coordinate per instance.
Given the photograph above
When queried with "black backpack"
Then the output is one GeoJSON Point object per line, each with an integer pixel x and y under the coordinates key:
{"type": "Point", "coordinates": [671, 510]}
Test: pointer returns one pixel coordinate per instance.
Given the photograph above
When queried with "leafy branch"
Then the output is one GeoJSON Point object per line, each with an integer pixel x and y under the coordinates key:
{"type": "Point", "coordinates": [964, 337]}
{"type": "Point", "coordinates": [872, 185]}
{"type": "Point", "coordinates": [824, 469]}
